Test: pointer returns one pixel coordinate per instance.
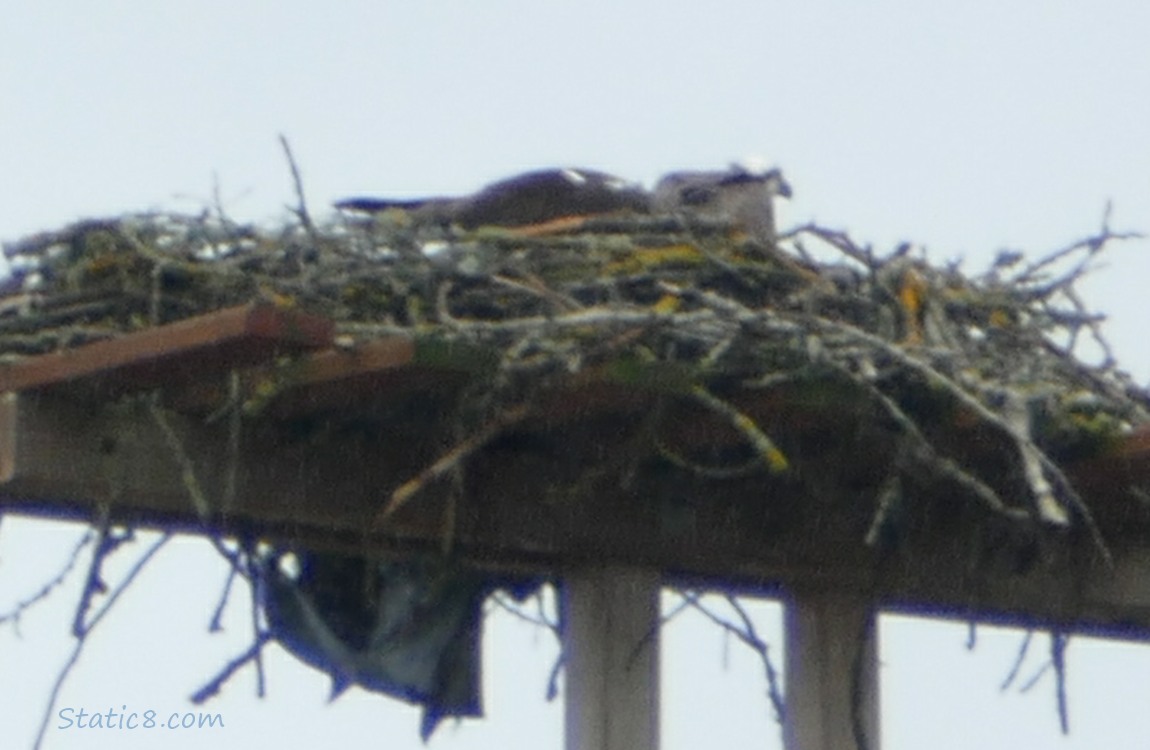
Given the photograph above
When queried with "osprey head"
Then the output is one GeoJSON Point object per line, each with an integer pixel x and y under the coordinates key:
{"type": "Point", "coordinates": [740, 195]}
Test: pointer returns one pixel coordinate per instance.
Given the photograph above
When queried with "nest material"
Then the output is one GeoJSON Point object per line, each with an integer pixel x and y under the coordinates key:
{"type": "Point", "coordinates": [623, 295]}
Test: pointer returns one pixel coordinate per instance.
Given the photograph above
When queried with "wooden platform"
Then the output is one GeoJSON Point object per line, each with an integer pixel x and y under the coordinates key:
{"type": "Point", "coordinates": [581, 486]}
{"type": "Point", "coordinates": [344, 427]}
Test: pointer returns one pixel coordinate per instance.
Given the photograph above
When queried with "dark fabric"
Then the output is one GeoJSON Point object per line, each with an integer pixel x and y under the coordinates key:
{"type": "Point", "coordinates": [412, 630]}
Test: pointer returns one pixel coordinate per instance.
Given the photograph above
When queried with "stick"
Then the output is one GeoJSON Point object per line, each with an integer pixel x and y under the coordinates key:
{"type": "Point", "coordinates": [450, 459]}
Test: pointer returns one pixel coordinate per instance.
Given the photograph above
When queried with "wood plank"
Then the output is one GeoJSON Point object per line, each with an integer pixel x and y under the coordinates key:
{"type": "Point", "coordinates": [174, 353]}
{"type": "Point", "coordinates": [611, 659]}
{"type": "Point", "coordinates": [831, 674]}
{"type": "Point", "coordinates": [337, 378]}
{"type": "Point", "coordinates": [555, 496]}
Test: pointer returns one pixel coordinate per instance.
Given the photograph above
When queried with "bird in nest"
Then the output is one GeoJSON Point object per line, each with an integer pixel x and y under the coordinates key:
{"type": "Point", "coordinates": [523, 200]}
{"type": "Point", "coordinates": [742, 195]}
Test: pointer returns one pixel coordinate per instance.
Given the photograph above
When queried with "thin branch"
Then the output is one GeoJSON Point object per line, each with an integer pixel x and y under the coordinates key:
{"type": "Point", "coordinates": [748, 636]}
{"type": "Point", "coordinates": [1091, 245]}
{"type": "Point", "coordinates": [187, 470]}
{"type": "Point", "coordinates": [134, 571]}
{"type": "Point", "coordinates": [86, 631]}
{"type": "Point", "coordinates": [23, 605]}
{"type": "Point", "coordinates": [214, 685]}
{"type": "Point", "coordinates": [215, 624]}
{"type": "Point", "coordinates": [774, 684]}
{"type": "Point", "coordinates": [451, 459]}
{"type": "Point", "coordinates": [1027, 686]}
{"type": "Point", "coordinates": [54, 694]}
{"type": "Point", "coordinates": [689, 600]}
{"type": "Point", "coordinates": [762, 444]}
{"type": "Point", "coordinates": [300, 210]}
{"type": "Point", "coordinates": [1058, 642]}
{"type": "Point", "coordinates": [501, 602]}
{"type": "Point", "coordinates": [1019, 658]}
{"type": "Point", "coordinates": [1023, 443]}
{"type": "Point", "coordinates": [921, 449]}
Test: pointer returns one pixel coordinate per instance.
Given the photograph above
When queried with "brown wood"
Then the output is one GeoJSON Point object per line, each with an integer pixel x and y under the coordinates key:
{"type": "Point", "coordinates": [554, 496]}
{"type": "Point", "coordinates": [174, 353]}
{"type": "Point", "coordinates": [578, 481]}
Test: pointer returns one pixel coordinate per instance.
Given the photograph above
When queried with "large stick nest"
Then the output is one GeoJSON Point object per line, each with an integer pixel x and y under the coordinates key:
{"type": "Point", "coordinates": [624, 294]}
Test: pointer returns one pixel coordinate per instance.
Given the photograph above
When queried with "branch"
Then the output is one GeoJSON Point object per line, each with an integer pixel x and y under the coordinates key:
{"type": "Point", "coordinates": [214, 685]}
{"type": "Point", "coordinates": [22, 606]}
{"type": "Point", "coordinates": [300, 210]}
{"type": "Point", "coordinates": [451, 459]}
{"type": "Point", "coordinates": [748, 636]}
{"type": "Point", "coordinates": [763, 446]}
{"type": "Point", "coordinates": [84, 631]}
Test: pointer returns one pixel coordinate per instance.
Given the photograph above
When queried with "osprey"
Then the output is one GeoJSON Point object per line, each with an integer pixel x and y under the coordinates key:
{"type": "Point", "coordinates": [741, 195]}
{"type": "Point", "coordinates": [523, 200]}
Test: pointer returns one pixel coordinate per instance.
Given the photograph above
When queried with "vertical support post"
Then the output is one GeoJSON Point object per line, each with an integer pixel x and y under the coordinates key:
{"type": "Point", "coordinates": [611, 652]}
{"type": "Point", "coordinates": [831, 672]}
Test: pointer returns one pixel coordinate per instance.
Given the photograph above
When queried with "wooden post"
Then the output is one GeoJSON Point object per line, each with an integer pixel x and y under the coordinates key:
{"type": "Point", "coordinates": [611, 650]}
{"type": "Point", "coordinates": [831, 638]}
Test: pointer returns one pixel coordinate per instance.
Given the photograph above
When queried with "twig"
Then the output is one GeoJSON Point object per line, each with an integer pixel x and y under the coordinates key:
{"type": "Point", "coordinates": [54, 695]}
{"type": "Point", "coordinates": [87, 629]}
{"type": "Point", "coordinates": [300, 210]}
{"type": "Point", "coordinates": [451, 459]}
{"type": "Point", "coordinates": [535, 286]}
{"type": "Point", "coordinates": [501, 602]}
{"type": "Point", "coordinates": [47, 588]}
{"type": "Point", "coordinates": [1027, 686]}
{"type": "Point", "coordinates": [1091, 245]}
{"type": "Point", "coordinates": [1058, 641]}
{"type": "Point", "coordinates": [215, 625]}
{"type": "Point", "coordinates": [257, 581]}
{"type": "Point", "coordinates": [689, 600]}
{"type": "Point", "coordinates": [93, 583]}
{"type": "Point", "coordinates": [214, 685]}
{"type": "Point", "coordinates": [747, 468]}
{"type": "Point", "coordinates": [235, 434]}
{"type": "Point", "coordinates": [553, 677]}
{"type": "Point", "coordinates": [890, 500]}
{"type": "Point", "coordinates": [774, 686]}
{"type": "Point", "coordinates": [134, 571]}
{"type": "Point", "coordinates": [836, 239]}
{"type": "Point", "coordinates": [1023, 443]}
{"type": "Point", "coordinates": [921, 449]}
{"type": "Point", "coordinates": [1023, 648]}
{"type": "Point", "coordinates": [187, 470]}
{"type": "Point", "coordinates": [747, 635]}
{"type": "Point", "coordinates": [762, 444]}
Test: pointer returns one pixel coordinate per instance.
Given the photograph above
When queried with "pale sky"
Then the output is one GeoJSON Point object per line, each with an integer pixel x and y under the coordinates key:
{"type": "Point", "coordinates": [963, 126]}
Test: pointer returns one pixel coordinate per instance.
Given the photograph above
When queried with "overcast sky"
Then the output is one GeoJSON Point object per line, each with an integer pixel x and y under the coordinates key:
{"type": "Point", "coordinates": [964, 126]}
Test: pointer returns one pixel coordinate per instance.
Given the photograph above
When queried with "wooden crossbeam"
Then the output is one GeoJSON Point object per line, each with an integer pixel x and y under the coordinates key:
{"type": "Point", "coordinates": [320, 488]}
{"type": "Point", "coordinates": [173, 353]}
{"type": "Point", "coordinates": [321, 482]}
